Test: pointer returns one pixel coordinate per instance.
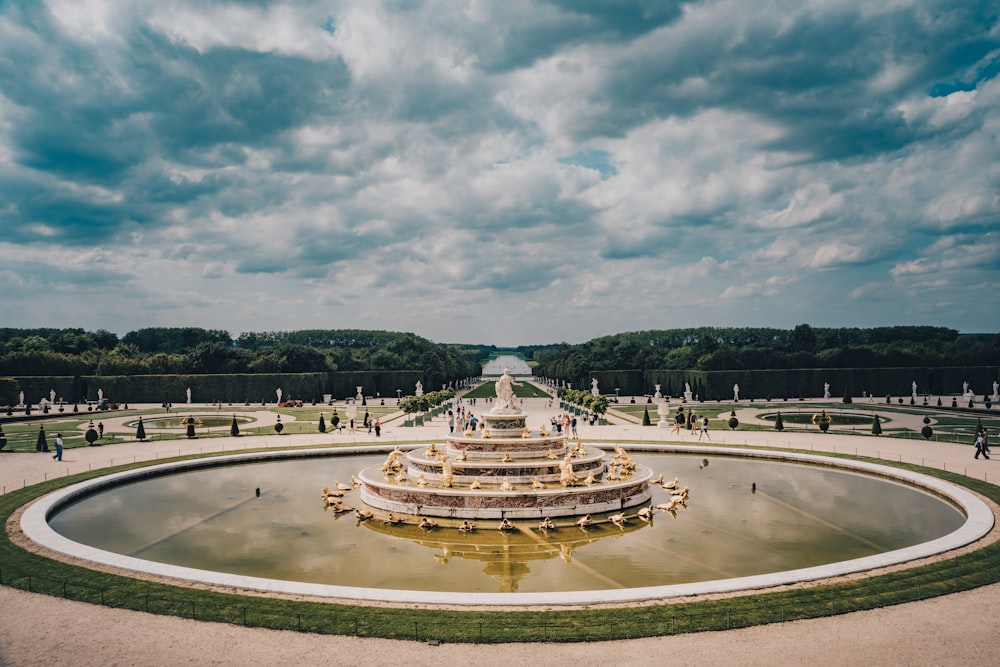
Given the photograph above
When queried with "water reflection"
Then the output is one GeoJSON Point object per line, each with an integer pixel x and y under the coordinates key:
{"type": "Point", "coordinates": [507, 555]}
{"type": "Point", "coordinates": [743, 517]}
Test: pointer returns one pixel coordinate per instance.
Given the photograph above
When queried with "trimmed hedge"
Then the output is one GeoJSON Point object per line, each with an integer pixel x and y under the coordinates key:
{"type": "Point", "coordinates": [229, 388]}
{"type": "Point", "coordinates": [800, 382]}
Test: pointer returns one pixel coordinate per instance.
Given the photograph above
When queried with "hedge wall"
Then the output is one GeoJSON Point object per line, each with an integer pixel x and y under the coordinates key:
{"type": "Point", "coordinates": [36, 388]}
{"type": "Point", "coordinates": [232, 388]}
{"type": "Point", "coordinates": [801, 382]}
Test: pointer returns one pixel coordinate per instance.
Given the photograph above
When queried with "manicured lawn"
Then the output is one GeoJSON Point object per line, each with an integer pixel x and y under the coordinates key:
{"type": "Point", "coordinates": [522, 390]}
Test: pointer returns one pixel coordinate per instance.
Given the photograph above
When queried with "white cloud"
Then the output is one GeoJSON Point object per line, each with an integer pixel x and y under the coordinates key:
{"type": "Point", "coordinates": [498, 172]}
{"type": "Point", "coordinates": [283, 28]}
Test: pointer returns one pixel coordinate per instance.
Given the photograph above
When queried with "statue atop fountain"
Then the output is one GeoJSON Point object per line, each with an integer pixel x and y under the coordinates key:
{"type": "Point", "coordinates": [507, 402]}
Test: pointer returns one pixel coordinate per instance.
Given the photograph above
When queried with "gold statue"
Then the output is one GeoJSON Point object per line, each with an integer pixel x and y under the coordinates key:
{"type": "Point", "coordinates": [566, 475]}
{"type": "Point", "coordinates": [447, 478]}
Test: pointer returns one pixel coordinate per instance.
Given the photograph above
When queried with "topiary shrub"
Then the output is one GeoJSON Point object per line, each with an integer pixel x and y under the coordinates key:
{"type": "Point", "coordinates": [927, 431]}
{"type": "Point", "coordinates": [140, 431]}
{"type": "Point", "coordinates": [645, 417]}
{"type": "Point", "coordinates": [733, 421]}
{"type": "Point", "coordinates": [876, 426]}
{"type": "Point", "coordinates": [234, 428]}
{"type": "Point", "coordinates": [779, 425]}
{"type": "Point", "coordinates": [322, 424]}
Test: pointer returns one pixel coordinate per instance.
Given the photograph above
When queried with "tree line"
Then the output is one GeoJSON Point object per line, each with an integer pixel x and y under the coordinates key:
{"type": "Point", "coordinates": [727, 349]}
{"type": "Point", "coordinates": [192, 350]}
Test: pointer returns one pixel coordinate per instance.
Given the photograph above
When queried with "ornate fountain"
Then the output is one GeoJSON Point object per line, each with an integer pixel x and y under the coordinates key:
{"type": "Point", "coordinates": [505, 471]}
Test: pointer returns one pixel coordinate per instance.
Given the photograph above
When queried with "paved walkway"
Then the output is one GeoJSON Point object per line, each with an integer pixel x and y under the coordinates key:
{"type": "Point", "coordinates": [954, 629]}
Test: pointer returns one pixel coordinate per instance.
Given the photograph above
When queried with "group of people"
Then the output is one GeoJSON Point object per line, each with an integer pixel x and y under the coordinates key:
{"type": "Point", "coordinates": [461, 418]}
{"type": "Point", "coordinates": [372, 423]}
{"type": "Point", "coordinates": [982, 443]}
{"type": "Point", "coordinates": [564, 424]}
{"type": "Point", "coordinates": [692, 422]}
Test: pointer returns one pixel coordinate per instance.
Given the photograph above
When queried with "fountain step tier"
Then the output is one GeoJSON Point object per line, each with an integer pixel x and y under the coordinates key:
{"type": "Point", "coordinates": [492, 472]}
{"type": "Point", "coordinates": [493, 503]}
{"type": "Point", "coordinates": [537, 446]}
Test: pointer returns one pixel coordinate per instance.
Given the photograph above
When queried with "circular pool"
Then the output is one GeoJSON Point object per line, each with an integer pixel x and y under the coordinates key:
{"type": "Point", "coordinates": [754, 519]}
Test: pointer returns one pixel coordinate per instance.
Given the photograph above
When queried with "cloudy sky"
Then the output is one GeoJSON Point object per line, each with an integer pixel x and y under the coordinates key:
{"type": "Point", "coordinates": [514, 172]}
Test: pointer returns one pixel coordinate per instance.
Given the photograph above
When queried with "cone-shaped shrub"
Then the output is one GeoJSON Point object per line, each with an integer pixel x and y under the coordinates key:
{"type": "Point", "coordinates": [876, 426]}
{"type": "Point", "coordinates": [42, 445]}
{"type": "Point", "coordinates": [234, 428]}
{"type": "Point", "coordinates": [140, 431]}
{"type": "Point", "coordinates": [779, 425]}
{"type": "Point", "coordinates": [645, 417]}
{"type": "Point", "coordinates": [322, 423]}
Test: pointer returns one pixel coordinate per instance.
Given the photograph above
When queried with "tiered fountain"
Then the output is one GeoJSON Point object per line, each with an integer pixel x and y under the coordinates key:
{"type": "Point", "coordinates": [505, 471]}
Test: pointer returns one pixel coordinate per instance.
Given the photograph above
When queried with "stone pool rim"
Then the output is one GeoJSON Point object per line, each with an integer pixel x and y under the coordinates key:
{"type": "Point", "coordinates": [979, 522]}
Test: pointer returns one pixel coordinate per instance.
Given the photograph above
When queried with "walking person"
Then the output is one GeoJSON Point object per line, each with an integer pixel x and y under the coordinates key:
{"type": "Point", "coordinates": [59, 447]}
{"type": "Point", "coordinates": [678, 420]}
{"type": "Point", "coordinates": [378, 428]}
{"type": "Point", "coordinates": [981, 447]}
{"type": "Point", "coordinates": [704, 428]}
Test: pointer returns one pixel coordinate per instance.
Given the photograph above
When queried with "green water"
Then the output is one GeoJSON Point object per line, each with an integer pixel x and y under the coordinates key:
{"type": "Point", "coordinates": [799, 516]}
